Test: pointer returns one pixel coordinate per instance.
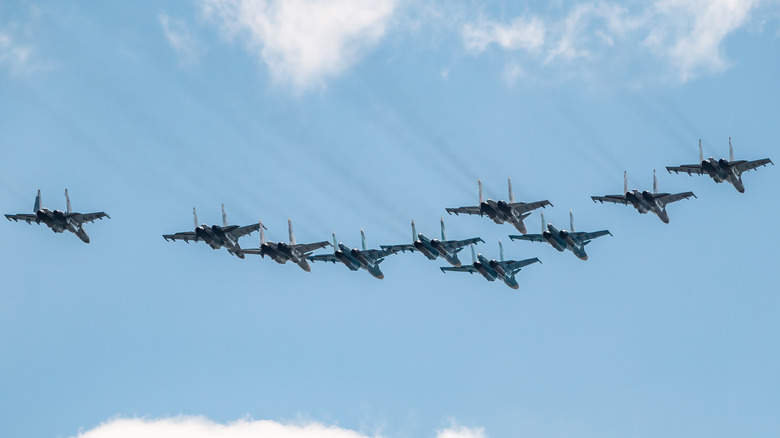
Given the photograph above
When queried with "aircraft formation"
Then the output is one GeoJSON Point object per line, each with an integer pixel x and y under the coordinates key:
{"type": "Point", "coordinates": [227, 236]}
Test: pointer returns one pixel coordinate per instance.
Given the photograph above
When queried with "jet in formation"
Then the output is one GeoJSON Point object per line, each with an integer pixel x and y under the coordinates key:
{"type": "Point", "coordinates": [215, 236]}
{"type": "Point", "coordinates": [502, 211]}
{"type": "Point", "coordinates": [645, 201]}
{"type": "Point", "coordinates": [504, 270]}
{"type": "Point", "coordinates": [562, 240]}
{"type": "Point", "coordinates": [434, 248]}
{"type": "Point", "coordinates": [355, 259]}
{"type": "Point", "coordinates": [58, 220]}
{"type": "Point", "coordinates": [282, 252]}
{"type": "Point", "coordinates": [721, 170]}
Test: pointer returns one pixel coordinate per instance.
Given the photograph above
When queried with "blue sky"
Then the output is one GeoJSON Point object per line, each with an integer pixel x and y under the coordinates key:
{"type": "Point", "coordinates": [342, 115]}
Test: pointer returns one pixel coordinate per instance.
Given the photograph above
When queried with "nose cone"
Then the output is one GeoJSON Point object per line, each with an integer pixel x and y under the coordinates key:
{"type": "Point", "coordinates": [306, 268]}
{"type": "Point", "coordinates": [380, 276]}
{"type": "Point", "coordinates": [665, 219]}
{"type": "Point", "coordinates": [583, 257]}
{"type": "Point", "coordinates": [515, 286]}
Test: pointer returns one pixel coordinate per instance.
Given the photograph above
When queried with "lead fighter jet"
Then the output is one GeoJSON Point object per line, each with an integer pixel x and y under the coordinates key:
{"type": "Point", "coordinates": [504, 270]}
{"type": "Point", "coordinates": [215, 236]}
{"type": "Point", "coordinates": [281, 252]}
{"type": "Point", "coordinates": [355, 259]}
{"type": "Point", "coordinates": [58, 220]}
{"type": "Point", "coordinates": [563, 239]}
{"type": "Point", "coordinates": [502, 211]}
{"type": "Point", "coordinates": [721, 170]}
{"type": "Point", "coordinates": [435, 248]}
{"type": "Point", "coordinates": [645, 201]}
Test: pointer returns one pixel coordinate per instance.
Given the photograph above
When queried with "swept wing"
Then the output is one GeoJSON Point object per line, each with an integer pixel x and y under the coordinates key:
{"type": "Point", "coordinates": [22, 217]}
{"type": "Point", "coordinates": [666, 198]}
{"type": "Point", "coordinates": [186, 236]}
{"type": "Point", "coordinates": [744, 166]}
{"type": "Point", "coordinates": [686, 168]}
{"type": "Point", "coordinates": [615, 199]}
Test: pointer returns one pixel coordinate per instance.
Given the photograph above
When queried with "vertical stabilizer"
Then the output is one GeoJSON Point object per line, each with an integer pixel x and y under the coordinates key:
{"type": "Point", "coordinates": [500, 250]}
{"type": "Point", "coordinates": [701, 152]}
{"type": "Point", "coordinates": [443, 233]}
{"type": "Point", "coordinates": [655, 183]}
{"type": "Point", "coordinates": [37, 206]}
{"type": "Point", "coordinates": [290, 231]}
{"type": "Point", "coordinates": [731, 151]}
{"type": "Point", "coordinates": [335, 243]}
{"type": "Point", "coordinates": [625, 182]}
{"type": "Point", "coordinates": [67, 202]}
{"type": "Point", "coordinates": [195, 216]}
{"type": "Point", "coordinates": [224, 217]}
{"type": "Point", "coordinates": [481, 198]}
{"type": "Point", "coordinates": [571, 221]}
{"type": "Point", "coordinates": [473, 255]}
{"type": "Point", "coordinates": [414, 232]}
{"type": "Point", "coordinates": [262, 233]}
{"type": "Point", "coordinates": [363, 239]}
{"type": "Point", "coordinates": [542, 223]}
{"type": "Point", "coordinates": [511, 195]}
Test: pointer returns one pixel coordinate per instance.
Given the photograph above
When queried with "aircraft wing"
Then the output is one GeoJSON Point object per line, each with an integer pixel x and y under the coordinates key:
{"type": "Point", "coordinates": [511, 265]}
{"type": "Point", "coordinates": [376, 254]}
{"type": "Point", "coordinates": [528, 237]}
{"type": "Point", "coordinates": [243, 231]}
{"type": "Point", "coordinates": [615, 199]}
{"type": "Point", "coordinates": [522, 207]}
{"type": "Point", "coordinates": [466, 268]}
{"type": "Point", "coordinates": [399, 248]}
{"type": "Point", "coordinates": [22, 217]}
{"type": "Point", "coordinates": [87, 217]}
{"type": "Point", "coordinates": [581, 237]}
{"type": "Point", "coordinates": [460, 244]}
{"type": "Point", "coordinates": [745, 166]}
{"type": "Point", "coordinates": [185, 236]}
{"type": "Point", "coordinates": [324, 258]}
{"type": "Point", "coordinates": [304, 248]}
{"type": "Point", "coordinates": [686, 168]}
{"type": "Point", "coordinates": [666, 198]}
{"type": "Point", "coordinates": [464, 210]}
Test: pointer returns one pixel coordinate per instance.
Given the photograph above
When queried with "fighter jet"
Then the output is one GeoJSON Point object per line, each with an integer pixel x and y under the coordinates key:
{"type": "Point", "coordinates": [215, 236]}
{"type": "Point", "coordinates": [354, 259]}
{"type": "Point", "coordinates": [494, 269]}
{"type": "Point", "coordinates": [722, 170]}
{"type": "Point", "coordinates": [645, 201]}
{"type": "Point", "coordinates": [434, 248]}
{"type": "Point", "coordinates": [502, 211]}
{"type": "Point", "coordinates": [563, 239]}
{"type": "Point", "coordinates": [281, 252]}
{"type": "Point", "coordinates": [58, 220]}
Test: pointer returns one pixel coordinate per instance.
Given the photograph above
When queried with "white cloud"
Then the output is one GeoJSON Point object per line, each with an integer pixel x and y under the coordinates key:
{"type": "Point", "coordinates": [179, 37]}
{"type": "Point", "coordinates": [303, 42]}
{"type": "Point", "coordinates": [512, 73]}
{"type": "Point", "coordinates": [687, 34]}
{"type": "Point", "coordinates": [199, 427]}
{"type": "Point", "coordinates": [13, 56]}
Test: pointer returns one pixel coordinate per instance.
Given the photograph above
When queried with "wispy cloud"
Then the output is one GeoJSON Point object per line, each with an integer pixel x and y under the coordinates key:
{"type": "Point", "coordinates": [199, 427]}
{"type": "Point", "coordinates": [14, 57]}
{"type": "Point", "coordinates": [181, 40]}
{"type": "Point", "coordinates": [303, 42]}
{"type": "Point", "coordinates": [687, 35]}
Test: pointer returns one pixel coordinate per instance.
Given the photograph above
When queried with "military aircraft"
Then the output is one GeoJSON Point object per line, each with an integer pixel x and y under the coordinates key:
{"type": "Point", "coordinates": [563, 239]}
{"type": "Point", "coordinates": [354, 259]}
{"type": "Point", "coordinates": [645, 201]}
{"type": "Point", "coordinates": [434, 248]}
{"type": "Point", "coordinates": [215, 236]}
{"type": "Point", "coordinates": [504, 270]}
{"type": "Point", "coordinates": [502, 211]}
{"type": "Point", "coordinates": [721, 170]}
{"type": "Point", "coordinates": [281, 252]}
{"type": "Point", "coordinates": [58, 220]}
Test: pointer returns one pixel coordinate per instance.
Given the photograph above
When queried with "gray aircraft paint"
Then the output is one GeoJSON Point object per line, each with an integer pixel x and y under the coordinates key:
{"type": "Point", "coordinates": [435, 248]}
{"type": "Point", "coordinates": [215, 236]}
{"type": "Point", "coordinates": [58, 220]}
{"type": "Point", "coordinates": [502, 211]}
{"type": "Point", "coordinates": [356, 259]}
{"type": "Point", "coordinates": [721, 170]}
{"type": "Point", "coordinates": [493, 270]}
{"type": "Point", "coordinates": [645, 201]}
{"type": "Point", "coordinates": [282, 252]}
{"type": "Point", "coordinates": [563, 240]}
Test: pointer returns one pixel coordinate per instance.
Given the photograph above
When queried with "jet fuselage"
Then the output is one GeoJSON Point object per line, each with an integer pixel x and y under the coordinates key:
{"type": "Point", "coordinates": [645, 202]}
{"type": "Point", "coordinates": [500, 212]}
{"type": "Point", "coordinates": [354, 260]}
{"type": "Point", "coordinates": [560, 240]}
{"type": "Point", "coordinates": [721, 170]}
{"type": "Point", "coordinates": [59, 222]}
{"type": "Point", "coordinates": [216, 238]}
{"type": "Point", "coordinates": [282, 252]}
{"type": "Point", "coordinates": [492, 270]}
{"type": "Point", "coordinates": [433, 248]}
